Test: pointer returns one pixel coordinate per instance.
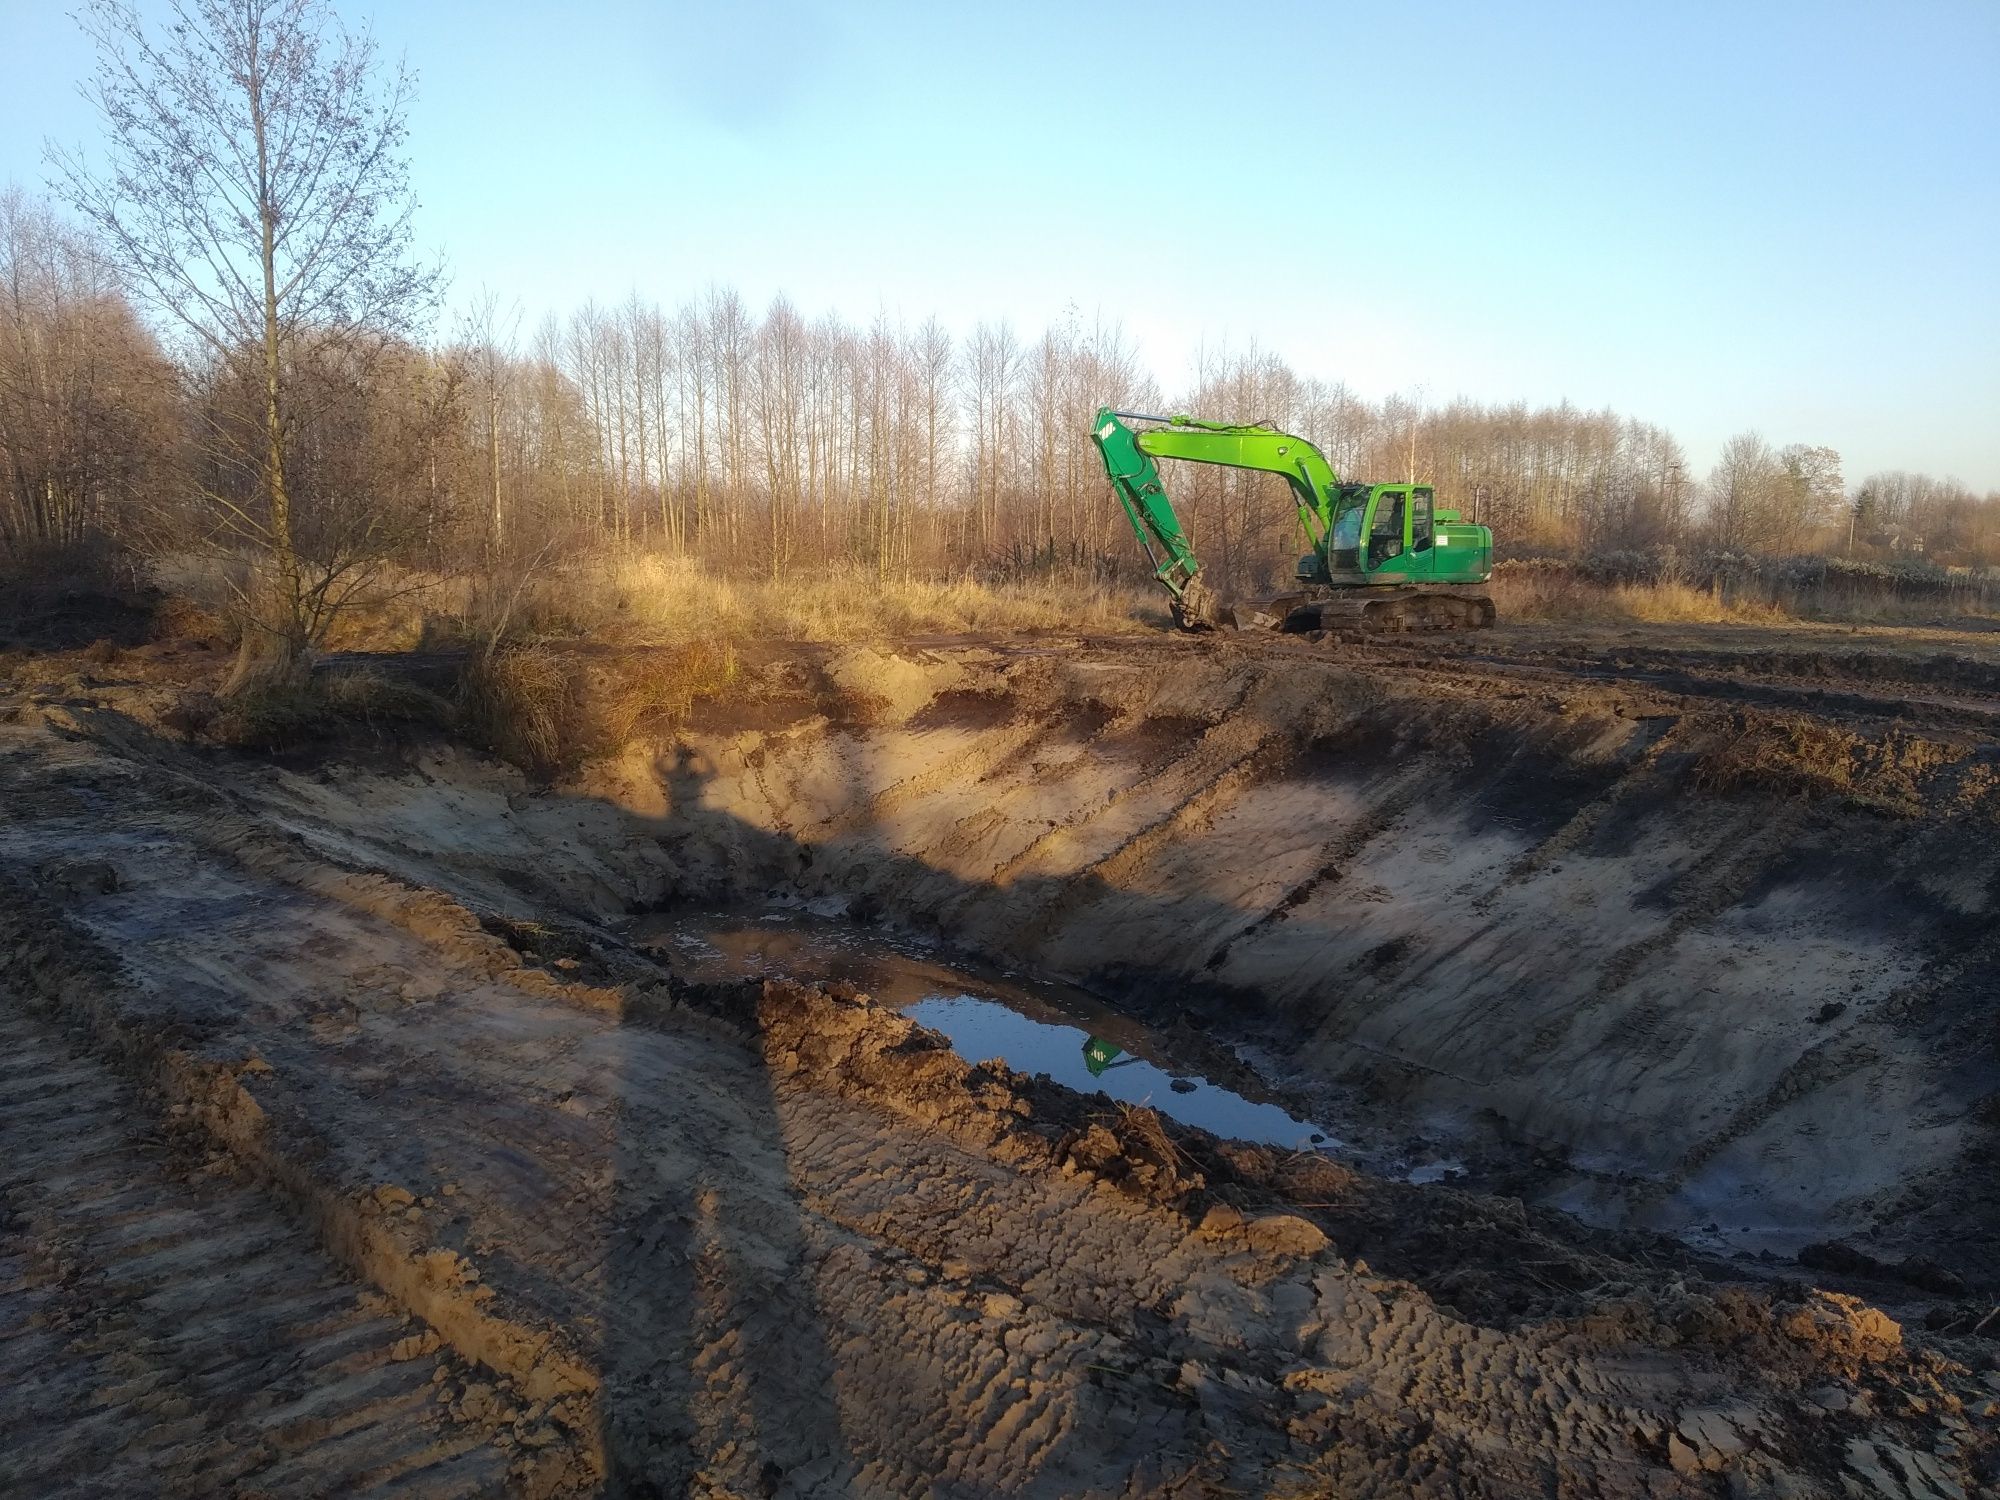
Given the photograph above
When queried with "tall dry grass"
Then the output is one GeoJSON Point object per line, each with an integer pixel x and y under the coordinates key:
{"type": "Point", "coordinates": [653, 599]}
{"type": "Point", "coordinates": [548, 713]}
{"type": "Point", "coordinates": [1734, 591]}
{"type": "Point", "coordinates": [1560, 598]}
{"type": "Point", "coordinates": [656, 598]}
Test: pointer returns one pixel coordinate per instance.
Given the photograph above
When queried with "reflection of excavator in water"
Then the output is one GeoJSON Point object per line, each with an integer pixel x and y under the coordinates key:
{"type": "Point", "coordinates": [1383, 556]}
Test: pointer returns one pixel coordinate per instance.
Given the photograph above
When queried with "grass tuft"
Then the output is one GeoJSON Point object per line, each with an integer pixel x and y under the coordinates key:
{"type": "Point", "coordinates": [521, 702]}
{"type": "Point", "coordinates": [374, 698]}
{"type": "Point", "coordinates": [269, 718]}
{"type": "Point", "coordinates": [658, 689]}
{"type": "Point", "coordinates": [546, 714]}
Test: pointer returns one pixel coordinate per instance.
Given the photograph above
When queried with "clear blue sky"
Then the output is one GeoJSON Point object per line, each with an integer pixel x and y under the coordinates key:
{"type": "Point", "coordinates": [1762, 214]}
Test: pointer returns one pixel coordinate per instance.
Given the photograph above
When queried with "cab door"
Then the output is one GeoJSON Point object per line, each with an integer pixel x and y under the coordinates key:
{"type": "Point", "coordinates": [1421, 532]}
{"type": "Point", "coordinates": [1389, 529]}
{"type": "Point", "coordinates": [1402, 533]}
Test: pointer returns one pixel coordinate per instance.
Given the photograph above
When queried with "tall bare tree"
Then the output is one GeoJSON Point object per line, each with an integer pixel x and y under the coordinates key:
{"type": "Point", "coordinates": [489, 332]}
{"type": "Point", "coordinates": [86, 399]}
{"type": "Point", "coordinates": [254, 189]}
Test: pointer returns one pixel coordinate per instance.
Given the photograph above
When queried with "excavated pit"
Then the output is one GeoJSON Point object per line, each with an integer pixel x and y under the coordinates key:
{"type": "Point", "coordinates": [1522, 929]}
{"type": "Point", "coordinates": [584, 1088]}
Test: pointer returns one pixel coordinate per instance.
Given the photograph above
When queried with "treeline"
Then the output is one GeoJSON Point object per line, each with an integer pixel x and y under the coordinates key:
{"type": "Point", "coordinates": [767, 441]}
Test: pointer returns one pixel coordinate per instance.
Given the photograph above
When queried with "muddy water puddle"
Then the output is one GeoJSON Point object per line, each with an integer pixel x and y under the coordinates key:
{"type": "Point", "coordinates": [1033, 1024]}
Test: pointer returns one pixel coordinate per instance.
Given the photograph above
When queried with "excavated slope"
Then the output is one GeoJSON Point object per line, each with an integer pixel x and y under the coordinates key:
{"type": "Point", "coordinates": [1718, 968]}
{"type": "Point", "coordinates": [643, 1239]}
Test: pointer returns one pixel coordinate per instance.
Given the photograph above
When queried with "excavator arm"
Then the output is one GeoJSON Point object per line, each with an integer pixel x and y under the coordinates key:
{"type": "Point", "coordinates": [1136, 480]}
{"type": "Point", "coordinates": [1128, 458]}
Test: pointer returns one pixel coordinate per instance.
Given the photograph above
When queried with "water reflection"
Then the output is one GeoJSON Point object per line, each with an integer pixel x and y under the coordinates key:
{"type": "Point", "coordinates": [1035, 1026]}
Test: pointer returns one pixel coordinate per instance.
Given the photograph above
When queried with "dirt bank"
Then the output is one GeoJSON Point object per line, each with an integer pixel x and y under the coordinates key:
{"type": "Point", "coordinates": [647, 1237]}
{"type": "Point", "coordinates": [1708, 968]}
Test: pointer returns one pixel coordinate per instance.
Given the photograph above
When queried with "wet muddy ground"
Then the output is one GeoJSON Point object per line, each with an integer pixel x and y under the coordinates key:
{"type": "Point", "coordinates": [1033, 1024]}
{"type": "Point", "coordinates": [720, 1120]}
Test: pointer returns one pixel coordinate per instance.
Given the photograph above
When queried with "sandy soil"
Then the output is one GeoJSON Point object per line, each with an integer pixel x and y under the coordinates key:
{"type": "Point", "coordinates": [351, 1148]}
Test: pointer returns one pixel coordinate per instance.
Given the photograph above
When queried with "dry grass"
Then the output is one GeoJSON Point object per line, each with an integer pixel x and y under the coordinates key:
{"type": "Point", "coordinates": [206, 595]}
{"type": "Point", "coordinates": [546, 713]}
{"type": "Point", "coordinates": [1559, 597]}
{"type": "Point", "coordinates": [522, 703]}
{"type": "Point", "coordinates": [1790, 755]}
{"type": "Point", "coordinates": [656, 690]}
{"type": "Point", "coordinates": [655, 599]}
{"type": "Point", "coordinates": [652, 599]}
{"type": "Point", "coordinates": [364, 695]}
{"type": "Point", "coordinates": [1555, 592]}
{"type": "Point", "coordinates": [1785, 756]}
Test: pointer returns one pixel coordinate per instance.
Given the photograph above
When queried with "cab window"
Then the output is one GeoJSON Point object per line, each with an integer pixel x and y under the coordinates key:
{"type": "Point", "coordinates": [1420, 520]}
{"type": "Point", "coordinates": [1385, 537]}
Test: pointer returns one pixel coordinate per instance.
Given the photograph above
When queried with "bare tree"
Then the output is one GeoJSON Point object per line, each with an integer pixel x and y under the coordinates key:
{"type": "Point", "coordinates": [1811, 495]}
{"type": "Point", "coordinates": [86, 399]}
{"type": "Point", "coordinates": [1741, 490]}
{"type": "Point", "coordinates": [255, 191]}
{"type": "Point", "coordinates": [489, 333]}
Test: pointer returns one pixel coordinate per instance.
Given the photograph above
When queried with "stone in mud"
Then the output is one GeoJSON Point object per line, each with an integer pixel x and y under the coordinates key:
{"type": "Point", "coordinates": [83, 877]}
{"type": "Point", "coordinates": [1286, 1234]}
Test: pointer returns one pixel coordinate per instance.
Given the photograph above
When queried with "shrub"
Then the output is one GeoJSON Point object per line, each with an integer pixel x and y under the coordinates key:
{"type": "Point", "coordinates": [270, 718]}
{"type": "Point", "coordinates": [521, 702]}
{"type": "Point", "coordinates": [545, 713]}
{"type": "Point", "coordinates": [374, 698]}
{"type": "Point", "coordinates": [658, 687]}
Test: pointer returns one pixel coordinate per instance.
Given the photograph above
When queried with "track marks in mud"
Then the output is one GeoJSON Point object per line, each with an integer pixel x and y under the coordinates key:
{"type": "Point", "coordinates": [1151, 807]}
{"type": "Point", "coordinates": [1384, 809]}
{"type": "Point", "coordinates": [727, 1243]}
{"type": "Point", "coordinates": [988, 757]}
{"type": "Point", "coordinates": [170, 1331]}
{"type": "Point", "coordinates": [1475, 892]}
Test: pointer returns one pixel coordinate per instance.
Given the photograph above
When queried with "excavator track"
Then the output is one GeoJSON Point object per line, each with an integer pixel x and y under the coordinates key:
{"type": "Point", "coordinates": [1348, 612]}
{"type": "Point", "coordinates": [1390, 611]}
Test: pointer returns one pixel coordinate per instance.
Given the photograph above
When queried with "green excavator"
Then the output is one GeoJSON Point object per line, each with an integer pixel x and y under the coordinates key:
{"type": "Point", "coordinates": [1383, 558]}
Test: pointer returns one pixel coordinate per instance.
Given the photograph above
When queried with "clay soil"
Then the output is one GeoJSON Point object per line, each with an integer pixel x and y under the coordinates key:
{"type": "Point", "coordinates": [352, 1147]}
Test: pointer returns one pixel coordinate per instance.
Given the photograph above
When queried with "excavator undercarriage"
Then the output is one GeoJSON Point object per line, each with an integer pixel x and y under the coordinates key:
{"type": "Point", "coordinates": [1376, 612]}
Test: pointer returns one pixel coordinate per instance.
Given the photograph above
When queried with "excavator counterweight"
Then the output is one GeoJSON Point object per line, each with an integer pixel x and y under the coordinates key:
{"type": "Point", "coordinates": [1383, 557]}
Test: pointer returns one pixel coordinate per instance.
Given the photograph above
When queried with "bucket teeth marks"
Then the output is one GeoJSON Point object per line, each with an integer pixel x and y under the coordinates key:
{"type": "Point", "coordinates": [178, 1334]}
{"type": "Point", "coordinates": [967, 762]}
{"type": "Point", "coordinates": [1637, 778]}
{"type": "Point", "coordinates": [1105, 853]}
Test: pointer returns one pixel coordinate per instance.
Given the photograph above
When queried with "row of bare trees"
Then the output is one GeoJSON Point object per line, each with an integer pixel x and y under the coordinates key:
{"type": "Point", "coordinates": [764, 441]}
{"type": "Point", "coordinates": [88, 405]}
{"type": "Point", "coordinates": [773, 440]}
{"type": "Point", "coordinates": [283, 401]}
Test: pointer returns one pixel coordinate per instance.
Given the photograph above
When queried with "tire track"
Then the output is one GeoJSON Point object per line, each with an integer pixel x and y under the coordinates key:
{"type": "Point", "coordinates": [164, 1330]}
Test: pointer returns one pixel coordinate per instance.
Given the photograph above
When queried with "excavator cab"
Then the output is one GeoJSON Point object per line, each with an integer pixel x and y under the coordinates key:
{"type": "Point", "coordinates": [1387, 539]}
{"type": "Point", "coordinates": [1382, 533]}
